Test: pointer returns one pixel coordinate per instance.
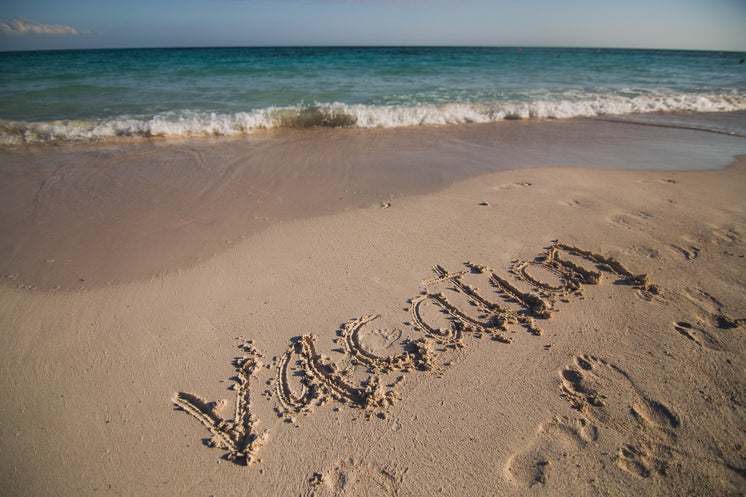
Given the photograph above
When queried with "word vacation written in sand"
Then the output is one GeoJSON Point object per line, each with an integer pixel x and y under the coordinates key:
{"type": "Point", "coordinates": [439, 321]}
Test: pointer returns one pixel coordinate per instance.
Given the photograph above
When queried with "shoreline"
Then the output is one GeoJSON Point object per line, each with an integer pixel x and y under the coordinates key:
{"type": "Point", "coordinates": [726, 122]}
{"type": "Point", "coordinates": [89, 378]}
{"type": "Point", "coordinates": [93, 216]}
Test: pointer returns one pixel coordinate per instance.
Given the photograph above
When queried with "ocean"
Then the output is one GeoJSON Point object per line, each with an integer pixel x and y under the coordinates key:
{"type": "Point", "coordinates": [95, 95]}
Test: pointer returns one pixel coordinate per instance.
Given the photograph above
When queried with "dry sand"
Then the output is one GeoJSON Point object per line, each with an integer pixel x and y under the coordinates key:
{"type": "Point", "coordinates": [439, 343]}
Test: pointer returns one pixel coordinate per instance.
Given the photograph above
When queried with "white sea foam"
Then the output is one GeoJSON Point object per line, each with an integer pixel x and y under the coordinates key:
{"type": "Point", "coordinates": [188, 123]}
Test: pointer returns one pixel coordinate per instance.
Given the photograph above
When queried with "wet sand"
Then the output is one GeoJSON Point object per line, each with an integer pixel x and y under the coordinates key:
{"type": "Point", "coordinates": [89, 216]}
{"type": "Point", "coordinates": [426, 335]}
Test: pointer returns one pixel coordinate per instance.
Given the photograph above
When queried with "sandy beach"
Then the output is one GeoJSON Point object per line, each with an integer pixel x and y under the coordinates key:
{"type": "Point", "coordinates": [457, 310]}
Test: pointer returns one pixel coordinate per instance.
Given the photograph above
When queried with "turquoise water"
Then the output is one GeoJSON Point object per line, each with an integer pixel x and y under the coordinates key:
{"type": "Point", "coordinates": [98, 94]}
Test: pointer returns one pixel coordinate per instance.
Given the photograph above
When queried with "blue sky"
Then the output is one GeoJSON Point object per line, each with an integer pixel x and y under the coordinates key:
{"type": "Point", "coordinates": [689, 24]}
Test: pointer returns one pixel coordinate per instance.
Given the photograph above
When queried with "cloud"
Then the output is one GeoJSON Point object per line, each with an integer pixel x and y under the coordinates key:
{"type": "Point", "coordinates": [21, 26]}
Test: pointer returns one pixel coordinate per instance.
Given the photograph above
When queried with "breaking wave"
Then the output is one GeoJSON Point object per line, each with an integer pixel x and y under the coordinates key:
{"type": "Point", "coordinates": [191, 124]}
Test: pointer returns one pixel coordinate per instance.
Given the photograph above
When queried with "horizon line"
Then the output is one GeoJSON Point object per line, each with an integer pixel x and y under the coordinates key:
{"type": "Point", "coordinates": [352, 46]}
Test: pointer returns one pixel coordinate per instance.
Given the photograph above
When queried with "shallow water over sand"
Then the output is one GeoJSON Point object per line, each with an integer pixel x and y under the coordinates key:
{"type": "Point", "coordinates": [94, 215]}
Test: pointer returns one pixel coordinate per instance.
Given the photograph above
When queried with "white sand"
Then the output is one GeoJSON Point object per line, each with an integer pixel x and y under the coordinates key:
{"type": "Point", "coordinates": [624, 392]}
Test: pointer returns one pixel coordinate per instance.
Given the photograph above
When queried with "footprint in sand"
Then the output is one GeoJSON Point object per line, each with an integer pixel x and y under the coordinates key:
{"type": "Point", "coordinates": [607, 397]}
{"type": "Point", "coordinates": [708, 331]}
{"type": "Point", "coordinates": [634, 221]}
{"type": "Point", "coordinates": [355, 477]}
{"type": "Point", "coordinates": [570, 203]}
{"type": "Point", "coordinates": [708, 238]}
{"type": "Point", "coordinates": [689, 252]}
{"type": "Point", "coordinates": [556, 442]}
{"type": "Point", "coordinates": [611, 405]}
{"type": "Point", "coordinates": [685, 329]}
{"type": "Point", "coordinates": [517, 184]}
{"type": "Point", "coordinates": [725, 236]}
{"type": "Point", "coordinates": [709, 324]}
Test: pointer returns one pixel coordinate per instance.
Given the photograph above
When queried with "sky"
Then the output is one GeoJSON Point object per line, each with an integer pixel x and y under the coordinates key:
{"type": "Point", "coordinates": [674, 24]}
